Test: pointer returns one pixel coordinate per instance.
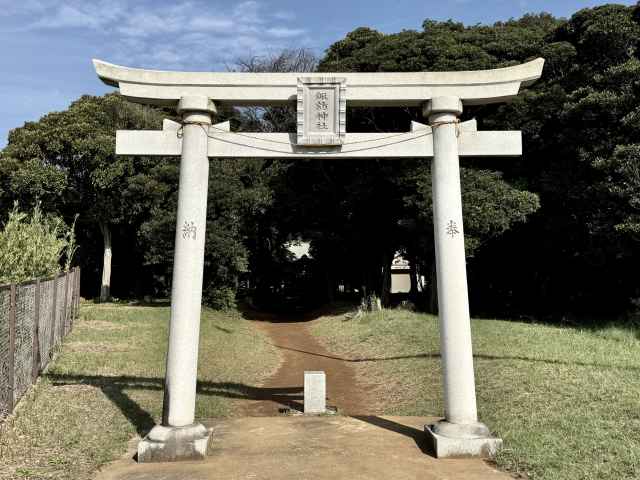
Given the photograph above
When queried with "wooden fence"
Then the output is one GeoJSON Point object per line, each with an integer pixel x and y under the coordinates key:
{"type": "Point", "coordinates": [35, 316]}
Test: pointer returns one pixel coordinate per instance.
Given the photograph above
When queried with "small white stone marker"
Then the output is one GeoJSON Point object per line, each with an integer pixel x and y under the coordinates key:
{"type": "Point", "coordinates": [315, 392]}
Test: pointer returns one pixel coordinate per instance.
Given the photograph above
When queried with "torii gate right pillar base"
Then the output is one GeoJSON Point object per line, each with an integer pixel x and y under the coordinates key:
{"type": "Point", "coordinates": [468, 445]}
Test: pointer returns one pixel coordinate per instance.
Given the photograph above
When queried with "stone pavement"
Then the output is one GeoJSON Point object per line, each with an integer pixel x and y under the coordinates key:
{"type": "Point", "coordinates": [319, 448]}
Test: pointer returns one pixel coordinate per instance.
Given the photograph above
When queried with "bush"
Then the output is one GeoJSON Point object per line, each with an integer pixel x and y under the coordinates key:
{"type": "Point", "coordinates": [33, 245]}
{"type": "Point", "coordinates": [221, 298]}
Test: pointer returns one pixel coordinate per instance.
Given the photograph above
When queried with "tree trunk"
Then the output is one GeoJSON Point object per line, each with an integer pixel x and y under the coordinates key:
{"type": "Point", "coordinates": [385, 291]}
{"type": "Point", "coordinates": [330, 287]}
{"type": "Point", "coordinates": [433, 291]}
{"type": "Point", "coordinates": [413, 278]}
{"type": "Point", "coordinates": [105, 287]}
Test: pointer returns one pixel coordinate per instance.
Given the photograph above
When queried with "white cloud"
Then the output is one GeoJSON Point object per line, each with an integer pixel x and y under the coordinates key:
{"type": "Point", "coordinates": [212, 24]}
{"type": "Point", "coordinates": [285, 32]}
{"type": "Point", "coordinates": [187, 34]}
{"type": "Point", "coordinates": [287, 16]}
{"type": "Point", "coordinates": [9, 8]}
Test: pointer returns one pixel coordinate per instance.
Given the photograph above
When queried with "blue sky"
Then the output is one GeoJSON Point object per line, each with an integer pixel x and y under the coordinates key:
{"type": "Point", "coordinates": [47, 45]}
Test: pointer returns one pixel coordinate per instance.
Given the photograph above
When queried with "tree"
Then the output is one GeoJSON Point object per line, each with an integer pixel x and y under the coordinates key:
{"type": "Point", "coordinates": [576, 251]}
{"type": "Point", "coordinates": [68, 160]}
{"type": "Point", "coordinates": [32, 245]}
{"type": "Point", "coordinates": [398, 205]}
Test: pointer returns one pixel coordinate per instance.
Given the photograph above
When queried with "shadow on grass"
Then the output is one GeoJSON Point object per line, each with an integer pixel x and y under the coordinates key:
{"type": "Point", "coordinates": [114, 388]}
{"type": "Point", "coordinates": [475, 355]}
{"type": "Point", "coordinates": [131, 303]}
{"type": "Point", "coordinates": [358, 360]}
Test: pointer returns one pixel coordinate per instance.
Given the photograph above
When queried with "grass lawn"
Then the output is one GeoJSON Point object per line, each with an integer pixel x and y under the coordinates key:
{"type": "Point", "coordinates": [106, 386]}
{"type": "Point", "coordinates": [565, 401]}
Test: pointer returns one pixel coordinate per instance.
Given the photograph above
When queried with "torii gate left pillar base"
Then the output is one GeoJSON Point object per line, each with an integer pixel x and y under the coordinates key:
{"type": "Point", "coordinates": [169, 444]}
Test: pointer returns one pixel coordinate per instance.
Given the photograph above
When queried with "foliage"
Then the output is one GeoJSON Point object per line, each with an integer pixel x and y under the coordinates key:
{"type": "Point", "coordinates": [554, 231]}
{"type": "Point", "coordinates": [67, 161]}
{"type": "Point", "coordinates": [566, 237]}
{"type": "Point", "coordinates": [220, 298]}
{"type": "Point", "coordinates": [33, 245]}
{"type": "Point", "coordinates": [491, 206]}
{"type": "Point", "coordinates": [236, 197]}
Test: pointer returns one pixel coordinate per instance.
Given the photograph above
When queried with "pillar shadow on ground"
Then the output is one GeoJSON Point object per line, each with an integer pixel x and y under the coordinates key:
{"type": "Point", "coordinates": [291, 397]}
{"type": "Point", "coordinates": [480, 356]}
{"type": "Point", "coordinates": [418, 436]}
{"type": "Point", "coordinates": [115, 389]}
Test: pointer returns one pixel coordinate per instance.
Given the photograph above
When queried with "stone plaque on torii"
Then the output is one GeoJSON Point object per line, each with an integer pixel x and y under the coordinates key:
{"type": "Point", "coordinates": [321, 112]}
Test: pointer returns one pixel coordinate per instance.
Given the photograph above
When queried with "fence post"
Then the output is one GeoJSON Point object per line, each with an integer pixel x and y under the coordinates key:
{"type": "Point", "coordinates": [73, 296]}
{"type": "Point", "coordinates": [12, 346]}
{"type": "Point", "coordinates": [78, 293]}
{"type": "Point", "coordinates": [72, 315]}
{"type": "Point", "coordinates": [65, 315]}
{"type": "Point", "coordinates": [36, 334]}
{"type": "Point", "coordinates": [53, 313]}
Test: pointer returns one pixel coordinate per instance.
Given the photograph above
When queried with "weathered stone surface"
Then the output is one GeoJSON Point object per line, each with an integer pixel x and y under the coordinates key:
{"type": "Point", "coordinates": [445, 93]}
{"type": "Point", "coordinates": [450, 447]}
{"type": "Point", "coordinates": [315, 393]}
{"type": "Point", "coordinates": [170, 444]}
{"type": "Point", "coordinates": [418, 143]}
{"type": "Point", "coordinates": [321, 111]}
{"type": "Point", "coordinates": [451, 268]}
{"type": "Point", "coordinates": [363, 89]}
{"type": "Point", "coordinates": [312, 447]}
{"type": "Point", "coordinates": [188, 265]}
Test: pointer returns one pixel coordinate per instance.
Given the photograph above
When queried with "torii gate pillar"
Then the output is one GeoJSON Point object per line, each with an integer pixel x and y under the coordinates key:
{"type": "Point", "coordinates": [179, 437]}
{"type": "Point", "coordinates": [460, 433]}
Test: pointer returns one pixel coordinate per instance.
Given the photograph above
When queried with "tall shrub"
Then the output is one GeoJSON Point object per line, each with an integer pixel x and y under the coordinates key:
{"type": "Point", "coordinates": [33, 245]}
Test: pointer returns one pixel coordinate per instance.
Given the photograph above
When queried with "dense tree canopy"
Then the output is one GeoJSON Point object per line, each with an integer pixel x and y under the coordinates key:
{"type": "Point", "coordinates": [556, 231]}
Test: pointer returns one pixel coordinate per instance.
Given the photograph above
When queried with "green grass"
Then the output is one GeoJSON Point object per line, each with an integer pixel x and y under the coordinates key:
{"type": "Point", "coordinates": [106, 386]}
{"type": "Point", "coordinates": [565, 401]}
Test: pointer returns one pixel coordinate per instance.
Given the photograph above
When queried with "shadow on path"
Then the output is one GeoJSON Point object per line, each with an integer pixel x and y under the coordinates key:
{"type": "Point", "coordinates": [418, 436]}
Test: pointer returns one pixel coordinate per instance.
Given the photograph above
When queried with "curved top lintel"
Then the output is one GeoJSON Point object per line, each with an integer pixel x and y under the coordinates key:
{"type": "Point", "coordinates": [378, 88]}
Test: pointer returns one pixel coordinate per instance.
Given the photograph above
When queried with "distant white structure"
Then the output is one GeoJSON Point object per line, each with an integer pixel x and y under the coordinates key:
{"type": "Point", "coordinates": [299, 248]}
{"type": "Point", "coordinates": [401, 276]}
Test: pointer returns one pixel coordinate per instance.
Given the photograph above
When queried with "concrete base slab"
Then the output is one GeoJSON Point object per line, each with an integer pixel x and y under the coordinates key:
{"type": "Point", "coordinates": [170, 444]}
{"type": "Point", "coordinates": [312, 447]}
{"type": "Point", "coordinates": [451, 447]}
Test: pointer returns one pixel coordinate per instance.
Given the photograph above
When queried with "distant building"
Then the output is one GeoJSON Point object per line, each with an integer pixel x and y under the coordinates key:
{"type": "Point", "coordinates": [401, 275]}
{"type": "Point", "coordinates": [299, 248]}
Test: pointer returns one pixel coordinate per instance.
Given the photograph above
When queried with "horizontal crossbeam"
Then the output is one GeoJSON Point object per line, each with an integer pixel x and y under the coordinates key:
{"type": "Point", "coordinates": [363, 89]}
{"type": "Point", "coordinates": [418, 143]}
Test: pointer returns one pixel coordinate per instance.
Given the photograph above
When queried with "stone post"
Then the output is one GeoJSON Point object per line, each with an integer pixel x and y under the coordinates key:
{"type": "Point", "coordinates": [179, 437]}
{"type": "Point", "coordinates": [460, 433]}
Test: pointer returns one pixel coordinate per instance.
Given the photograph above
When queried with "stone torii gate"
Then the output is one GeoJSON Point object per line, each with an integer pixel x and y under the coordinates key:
{"type": "Point", "coordinates": [321, 115]}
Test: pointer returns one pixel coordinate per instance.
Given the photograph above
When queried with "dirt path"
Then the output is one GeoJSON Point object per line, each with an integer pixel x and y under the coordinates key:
{"type": "Point", "coordinates": [300, 351]}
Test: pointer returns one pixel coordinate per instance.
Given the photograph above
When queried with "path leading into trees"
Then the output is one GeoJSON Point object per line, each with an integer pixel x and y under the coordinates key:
{"type": "Point", "coordinates": [300, 352]}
